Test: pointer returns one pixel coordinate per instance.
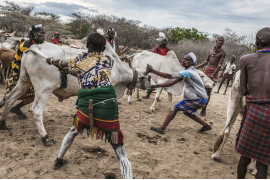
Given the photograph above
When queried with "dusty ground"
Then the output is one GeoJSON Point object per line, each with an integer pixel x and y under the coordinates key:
{"type": "Point", "coordinates": [181, 153]}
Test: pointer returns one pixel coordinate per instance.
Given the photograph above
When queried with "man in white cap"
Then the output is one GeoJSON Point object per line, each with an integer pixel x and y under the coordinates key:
{"type": "Point", "coordinates": [195, 95]}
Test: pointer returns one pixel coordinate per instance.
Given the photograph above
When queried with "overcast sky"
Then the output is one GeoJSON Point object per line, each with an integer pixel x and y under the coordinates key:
{"type": "Point", "coordinates": [211, 16]}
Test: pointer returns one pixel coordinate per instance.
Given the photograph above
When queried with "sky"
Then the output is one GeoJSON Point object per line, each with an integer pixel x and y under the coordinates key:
{"type": "Point", "coordinates": [213, 17]}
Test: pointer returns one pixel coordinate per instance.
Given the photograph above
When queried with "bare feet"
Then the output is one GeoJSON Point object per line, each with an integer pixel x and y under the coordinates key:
{"type": "Point", "coordinates": [205, 128]}
{"type": "Point", "coordinates": [158, 130]}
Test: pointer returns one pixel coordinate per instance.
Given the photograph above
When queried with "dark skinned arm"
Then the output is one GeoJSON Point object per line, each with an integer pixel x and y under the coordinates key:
{"type": "Point", "coordinates": [203, 63]}
{"type": "Point", "coordinates": [168, 83]}
{"type": "Point", "coordinates": [63, 65]}
{"type": "Point", "coordinates": [243, 77]}
{"type": "Point", "coordinates": [149, 69]}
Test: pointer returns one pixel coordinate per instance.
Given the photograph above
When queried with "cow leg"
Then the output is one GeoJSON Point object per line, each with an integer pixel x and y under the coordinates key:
{"type": "Point", "coordinates": [138, 94]}
{"type": "Point", "coordinates": [170, 101]}
{"type": "Point", "coordinates": [226, 133]}
{"type": "Point", "coordinates": [67, 141]}
{"type": "Point", "coordinates": [11, 98]}
{"type": "Point", "coordinates": [125, 165]}
{"type": "Point", "coordinates": [40, 101]}
{"type": "Point", "coordinates": [235, 106]}
{"type": "Point", "coordinates": [152, 108]}
{"type": "Point", "coordinates": [203, 111]}
{"type": "Point", "coordinates": [129, 99]}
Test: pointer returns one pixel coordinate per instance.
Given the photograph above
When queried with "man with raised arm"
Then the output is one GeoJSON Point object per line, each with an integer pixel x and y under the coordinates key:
{"type": "Point", "coordinates": [213, 64]}
{"type": "Point", "coordinates": [93, 70]}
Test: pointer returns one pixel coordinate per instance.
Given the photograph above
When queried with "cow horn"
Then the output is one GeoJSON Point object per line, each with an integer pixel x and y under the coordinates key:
{"type": "Point", "coordinates": [3, 31]}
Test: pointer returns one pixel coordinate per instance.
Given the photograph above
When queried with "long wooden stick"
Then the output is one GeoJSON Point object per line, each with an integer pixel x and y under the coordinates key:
{"type": "Point", "coordinates": [91, 115]}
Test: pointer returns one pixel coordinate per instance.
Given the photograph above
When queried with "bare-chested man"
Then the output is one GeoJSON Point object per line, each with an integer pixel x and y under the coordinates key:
{"type": "Point", "coordinates": [213, 64]}
{"type": "Point", "coordinates": [253, 139]}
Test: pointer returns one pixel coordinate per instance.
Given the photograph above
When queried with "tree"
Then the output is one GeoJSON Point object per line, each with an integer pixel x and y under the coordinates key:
{"type": "Point", "coordinates": [182, 34]}
{"type": "Point", "coordinates": [79, 25]}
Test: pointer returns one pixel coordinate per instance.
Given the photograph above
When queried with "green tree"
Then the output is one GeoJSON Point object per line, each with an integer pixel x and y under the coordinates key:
{"type": "Point", "coordinates": [182, 34]}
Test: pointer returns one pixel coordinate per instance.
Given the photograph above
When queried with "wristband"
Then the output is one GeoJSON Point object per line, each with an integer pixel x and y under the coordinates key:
{"type": "Point", "coordinates": [59, 64]}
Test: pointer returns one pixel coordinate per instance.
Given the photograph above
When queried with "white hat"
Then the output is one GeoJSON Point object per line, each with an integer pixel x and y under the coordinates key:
{"type": "Point", "coordinates": [193, 57]}
{"type": "Point", "coordinates": [161, 36]}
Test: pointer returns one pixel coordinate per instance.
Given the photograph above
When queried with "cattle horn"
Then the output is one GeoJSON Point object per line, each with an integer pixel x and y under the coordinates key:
{"type": "Point", "coordinates": [5, 30]}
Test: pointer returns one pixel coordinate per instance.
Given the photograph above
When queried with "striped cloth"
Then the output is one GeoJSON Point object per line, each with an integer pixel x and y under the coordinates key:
{"type": "Point", "coordinates": [209, 71]}
{"type": "Point", "coordinates": [191, 106]}
{"type": "Point", "coordinates": [106, 122]}
{"type": "Point", "coordinates": [253, 138]}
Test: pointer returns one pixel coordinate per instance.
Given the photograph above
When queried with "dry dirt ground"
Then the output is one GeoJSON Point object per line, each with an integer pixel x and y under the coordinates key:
{"type": "Point", "coordinates": [180, 153]}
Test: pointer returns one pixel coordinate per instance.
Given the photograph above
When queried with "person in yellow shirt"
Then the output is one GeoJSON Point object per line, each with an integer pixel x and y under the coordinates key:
{"type": "Point", "coordinates": [36, 36]}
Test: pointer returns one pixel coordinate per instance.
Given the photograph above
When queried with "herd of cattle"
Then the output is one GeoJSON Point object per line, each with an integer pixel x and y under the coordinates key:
{"type": "Point", "coordinates": [46, 79]}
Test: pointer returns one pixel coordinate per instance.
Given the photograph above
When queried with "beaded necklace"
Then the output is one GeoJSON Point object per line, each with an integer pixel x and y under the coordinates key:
{"type": "Point", "coordinates": [265, 50]}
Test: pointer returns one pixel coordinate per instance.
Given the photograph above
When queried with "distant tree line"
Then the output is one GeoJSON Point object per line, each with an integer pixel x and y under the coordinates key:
{"type": "Point", "coordinates": [130, 33]}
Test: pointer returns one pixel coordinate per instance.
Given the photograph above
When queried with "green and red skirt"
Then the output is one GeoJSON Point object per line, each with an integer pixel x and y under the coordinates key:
{"type": "Point", "coordinates": [106, 123]}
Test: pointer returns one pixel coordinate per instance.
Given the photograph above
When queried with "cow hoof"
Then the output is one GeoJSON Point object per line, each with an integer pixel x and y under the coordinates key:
{"type": "Point", "coordinates": [58, 163]}
{"type": "Point", "coordinates": [129, 102]}
{"type": "Point", "coordinates": [215, 158]}
{"type": "Point", "coordinates": [139, 99]}
{"type": "Point", "coordinates": [152, 110]}
{"type": "Point", "coordinates": [47, 142]}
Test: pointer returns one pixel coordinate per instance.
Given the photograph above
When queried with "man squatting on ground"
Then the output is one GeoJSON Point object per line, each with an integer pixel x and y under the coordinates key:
{"type": "Point", "coordinates": [36, 36]}
{"type": "Point", "coordinates": [93, 71]}
{"type": "Point", "coordinates": [253, 138]}
{"type": "Point", "coordinates": [213, 64]}
{"type": "Point", "coordinates": [195, 95]}
{"type": "Point", "coordinates": [161, 49]}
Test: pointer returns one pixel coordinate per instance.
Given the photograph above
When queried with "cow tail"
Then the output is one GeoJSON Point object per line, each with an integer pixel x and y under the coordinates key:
{"type": "Point", "coordinates": [219, 141]}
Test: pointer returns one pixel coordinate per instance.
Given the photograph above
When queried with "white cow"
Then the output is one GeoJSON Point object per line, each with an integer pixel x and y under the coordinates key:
{"type": "Point", "coordinates": [46, 79]}
{"type": "Point", "coordinates": [235, 107]}
{"type": "Point", "coordinates": [169, 64]}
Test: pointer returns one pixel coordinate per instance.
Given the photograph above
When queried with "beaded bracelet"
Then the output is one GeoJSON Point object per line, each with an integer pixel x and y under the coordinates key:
{"type": "Point", "coordinates": [59, 64]}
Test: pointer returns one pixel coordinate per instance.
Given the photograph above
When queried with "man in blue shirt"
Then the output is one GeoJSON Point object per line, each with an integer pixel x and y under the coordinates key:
{"type": "Point", "coordinates": [195, 95]}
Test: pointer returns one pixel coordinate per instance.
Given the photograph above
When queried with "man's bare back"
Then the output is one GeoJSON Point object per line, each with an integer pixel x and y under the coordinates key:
{"type": "Point", "coordinates": [255, 73]}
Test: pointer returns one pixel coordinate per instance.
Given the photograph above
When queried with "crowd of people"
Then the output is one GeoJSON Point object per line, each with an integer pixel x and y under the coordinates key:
{"type": "Point", "coordinates": [93, 71]}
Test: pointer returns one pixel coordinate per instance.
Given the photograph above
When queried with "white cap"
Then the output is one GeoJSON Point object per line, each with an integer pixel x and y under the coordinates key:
{"type": "Point", "coordinates": [193, 57]}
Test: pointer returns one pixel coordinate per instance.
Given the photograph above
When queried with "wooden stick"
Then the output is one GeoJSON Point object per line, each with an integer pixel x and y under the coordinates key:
{"type": "Point", "coordinates": [91, 115]}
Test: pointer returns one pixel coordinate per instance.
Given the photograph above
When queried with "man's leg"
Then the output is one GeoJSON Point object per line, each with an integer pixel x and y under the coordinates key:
{"type": "Point", "coordinates": [67, 141]}
{"type": "Point", "coordinates": [261, 170]}
{"type": "Point", "coordinates": [222, 81]}
{"type": "Point", "coordinates": [2, 103]}
{"type": "Point", "coordinates": [149, 91]}
{"type": "Point", "coordinates": [203, 111]}
{"type": "Point", "coordinates": [17, 109]}
{"type": "Point", "coordinates": [206, 127]}
{"type": "Point", "coordinates": [228, 82]}
{"type": "Point", "coordinates": [125, 165]}
{"type": "Point", "coordinates": [242, 167]}
{"type": "Point", "coordinates": [168, 119]}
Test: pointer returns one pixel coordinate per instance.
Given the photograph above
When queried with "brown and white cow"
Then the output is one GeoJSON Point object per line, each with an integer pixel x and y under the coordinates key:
{"type": "Point", "coordinates": [6, 57]}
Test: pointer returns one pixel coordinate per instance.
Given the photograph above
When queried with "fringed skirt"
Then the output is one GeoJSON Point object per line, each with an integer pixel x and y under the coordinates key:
{"type": "Point", "coordinates": [106, 123]}
{"type": "Point", "coordinates": [11, 82]}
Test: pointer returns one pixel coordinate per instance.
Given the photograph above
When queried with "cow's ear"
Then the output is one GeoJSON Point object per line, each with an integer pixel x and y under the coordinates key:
{"type": "Point", "coordinates": [120, 90]}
